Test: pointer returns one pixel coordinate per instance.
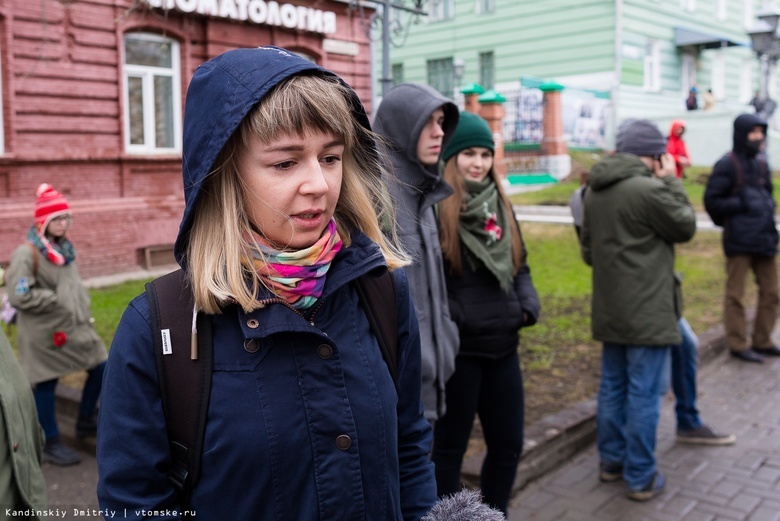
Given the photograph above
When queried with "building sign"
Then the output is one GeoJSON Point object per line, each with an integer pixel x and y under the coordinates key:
{"type": "Point", "coordinates": [257, 11]}
{"type": "Point", "coordinates": [340, 47]}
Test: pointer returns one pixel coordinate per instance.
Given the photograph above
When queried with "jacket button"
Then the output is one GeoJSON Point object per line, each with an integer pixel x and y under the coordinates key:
{"type": "Point", "coordinates": [324, 351]}
{"type": "Point", "coordinates": [252, 323]}
{"type": "Point", "coordinates": [16, 447]}
{"type": "Point", "coordinates": [251, 345]}
{"type": "Point", "coordinates": [343, 442]}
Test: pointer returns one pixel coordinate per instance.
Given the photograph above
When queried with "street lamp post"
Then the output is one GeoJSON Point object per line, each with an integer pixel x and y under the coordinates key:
{"type": "Point", "coordinates": [393, 28]}
{"type": "Point", "coordinates": [765, 40]}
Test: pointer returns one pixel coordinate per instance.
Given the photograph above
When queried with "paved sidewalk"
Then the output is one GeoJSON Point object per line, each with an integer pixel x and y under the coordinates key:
{"type": "Point", "coordinates": [740, 482]}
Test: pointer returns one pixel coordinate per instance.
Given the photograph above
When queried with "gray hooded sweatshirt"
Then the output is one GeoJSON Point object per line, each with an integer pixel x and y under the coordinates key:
{"type": "Point", "coordinates": [401, 117]}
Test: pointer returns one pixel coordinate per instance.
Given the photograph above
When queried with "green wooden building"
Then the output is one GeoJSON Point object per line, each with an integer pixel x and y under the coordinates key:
{"type": "Point", "coordinates": [616, 59]}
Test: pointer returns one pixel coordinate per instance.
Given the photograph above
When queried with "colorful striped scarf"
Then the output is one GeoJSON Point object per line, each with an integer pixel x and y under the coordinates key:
{"type": "Point", "coordinates": [298, 276]}
{"type": "Point", "coordinates": [59, 252]}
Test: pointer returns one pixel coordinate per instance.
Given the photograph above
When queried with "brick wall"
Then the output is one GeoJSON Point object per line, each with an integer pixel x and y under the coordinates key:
{"type": "Point", "coordinates": [62, 100]}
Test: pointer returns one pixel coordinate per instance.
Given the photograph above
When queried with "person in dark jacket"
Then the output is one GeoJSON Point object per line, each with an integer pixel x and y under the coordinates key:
{"type": "Point", "coordinates": [491, 296]}
{"type": "Point", "coordinates": [418, 122]}
{"type": "Point", "coordinates": [635, 211]}
{"type": "Point", "coordinates": [283, 186]}
{"type": "Point", "coordinates": [739, 198]}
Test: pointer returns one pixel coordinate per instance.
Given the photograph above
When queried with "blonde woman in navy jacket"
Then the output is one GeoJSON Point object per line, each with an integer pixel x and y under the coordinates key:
{"type": "Point", "coordinates": [283, 187]}
{"type": "Point", "coordinates": [491, 296]}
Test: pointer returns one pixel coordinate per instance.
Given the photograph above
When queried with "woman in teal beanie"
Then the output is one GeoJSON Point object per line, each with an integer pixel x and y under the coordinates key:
{"type": "Point", "coordinates": [491, 296]}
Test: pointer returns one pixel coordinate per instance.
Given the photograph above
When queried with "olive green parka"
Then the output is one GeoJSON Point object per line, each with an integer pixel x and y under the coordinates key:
{"type": "Point", "coordinates": [632, 221]}
{"type": "Point", "coordinates": [51, 300]}
{"type": "Point", "coordinates": [22, 487]}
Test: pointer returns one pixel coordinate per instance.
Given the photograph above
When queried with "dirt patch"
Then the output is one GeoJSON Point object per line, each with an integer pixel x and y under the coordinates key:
{"type": "Point", "coordinates": [568, 380]}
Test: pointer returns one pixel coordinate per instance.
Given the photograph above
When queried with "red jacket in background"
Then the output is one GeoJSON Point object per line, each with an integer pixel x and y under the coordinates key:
{"type": "Point", "coordinates": [676, 146]}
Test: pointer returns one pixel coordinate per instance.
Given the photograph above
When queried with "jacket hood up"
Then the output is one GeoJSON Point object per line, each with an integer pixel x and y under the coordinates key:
{"type": "Point", "coordinates": [222, 92]}
{"type": "Point", "coordinates": [677, 123]}
{"type": "Point", "coordinates": [401, 117]}
{"type": "Point", "coordinates": [742, 127]}
{"type": "Point", "coordinates": [616, 168]}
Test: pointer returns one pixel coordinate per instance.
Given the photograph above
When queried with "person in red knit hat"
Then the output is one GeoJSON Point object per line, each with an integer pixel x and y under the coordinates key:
{"type": "Point", "coordinates": [56, 335]}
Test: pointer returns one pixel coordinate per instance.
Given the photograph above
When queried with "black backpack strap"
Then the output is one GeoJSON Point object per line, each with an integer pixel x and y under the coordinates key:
{"type": "Point", "coordinates": [739, 181]}
{"type": "Point", "coordinates": [185, 383]}
{"type": "Point", "coordinates": [377, 295]}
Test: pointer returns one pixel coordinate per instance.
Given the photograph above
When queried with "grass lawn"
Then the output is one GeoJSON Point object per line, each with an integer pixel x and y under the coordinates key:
{"type": "Point", "coordinates": [558, 194]}
{"type": "Point", "coordinates": [560, 360]}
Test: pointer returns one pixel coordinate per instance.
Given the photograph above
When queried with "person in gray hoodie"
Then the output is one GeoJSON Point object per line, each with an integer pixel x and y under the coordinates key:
{"type": "Point", "coordinates": [417, 122]}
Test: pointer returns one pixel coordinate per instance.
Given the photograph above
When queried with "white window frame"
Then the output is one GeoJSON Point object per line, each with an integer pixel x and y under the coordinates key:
{"type": "Point", "coordinates": [652, 66]}
{"type": "Point", "coordinates": [147, 75]}
{"type": "Point", "coordinates": [718, 75]}
{"type": "Point", "coordinates": [746, 80]}
{"type": "Point", "coordinates": [688, 5]}
{"type": "Point", "coordinates": [721, 9]}
{"type": "Point", "coordinates": [2, 112]}
{"type": "Point", "coordinates": [441, 10]}
{"type": "Point", "coordinates": [748, 14]}
{"type": "Point", "coordinates": [485, 6]}
{"type": "Point", "coordinates": [688, 71]}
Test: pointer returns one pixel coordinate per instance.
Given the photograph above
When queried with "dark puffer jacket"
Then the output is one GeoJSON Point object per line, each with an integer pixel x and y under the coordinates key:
{"type": "Point", "coordinates": [746, 208]}
{"type": "Point", "coordinates": [488, 318]}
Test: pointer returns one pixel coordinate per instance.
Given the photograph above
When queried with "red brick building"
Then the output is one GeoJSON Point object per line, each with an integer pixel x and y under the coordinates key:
{"type": "Point", "coordinates": [92, 95]}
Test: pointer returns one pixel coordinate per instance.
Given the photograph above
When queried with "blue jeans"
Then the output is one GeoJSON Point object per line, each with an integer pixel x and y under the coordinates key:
{"type": "Point", "coordinates": [44, 400]}
{"type": "Point", "coordinates": [633, 380]}
{"type": "Point", "coordinates": [684, 362]}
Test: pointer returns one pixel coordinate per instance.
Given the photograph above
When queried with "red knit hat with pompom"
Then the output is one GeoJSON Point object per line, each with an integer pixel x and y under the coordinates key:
{"type": "Point", "coordinates": [50, 203]}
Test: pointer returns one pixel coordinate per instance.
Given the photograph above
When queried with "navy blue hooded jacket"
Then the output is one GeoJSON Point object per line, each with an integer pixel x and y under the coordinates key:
{"type": "Point", "coordinates": [739, 195]}
{"type": "Point", "coordinates": [307, 427]}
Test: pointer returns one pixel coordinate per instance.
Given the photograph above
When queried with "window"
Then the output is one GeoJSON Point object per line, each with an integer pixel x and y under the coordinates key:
{"type": "Point", "coordinates": [152, 94]}
{"type": "Point", "coordinates": [746, 80]}
{"type": "Point", "coordinates": [721, 8]}
{"type": "Point", "coordinates": [2, 117]}
{"type": "Point", "coordinates": [652, 66]}
{"type": "Point", "coordinates": [486, 70]}
{"type": "Point", "coordinates": [398, 73]}
{"type": "Point", "coordinates": [688, 75]}
{"type": "Point", "coordinates": [688, 5]}
{"type": "Point", "coordinates": [440, 10]}
{"type": "Point", "coordinates": [486, 6]}
{"type": "Point", "coordinates": [718, 80]}
{"type": "Point", "coordinates": [748, 17]}
{"type": "Point", "coordinates": [440, 75]}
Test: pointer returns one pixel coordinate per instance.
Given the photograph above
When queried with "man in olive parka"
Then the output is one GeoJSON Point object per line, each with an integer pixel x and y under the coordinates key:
{"type": "Point", "coordinates": [635, 211]}
{"type": "Point", "coordinates": [418, 122]}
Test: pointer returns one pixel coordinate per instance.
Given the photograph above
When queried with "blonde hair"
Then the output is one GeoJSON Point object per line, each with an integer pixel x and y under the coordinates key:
{"type": "Point", "coordinates": [449, 218]}
{"type": "Point", "coordinates": [218, 248]}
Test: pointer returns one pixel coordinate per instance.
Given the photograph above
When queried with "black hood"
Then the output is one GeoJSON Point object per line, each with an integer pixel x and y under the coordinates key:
{"type": "Point", "coordinates": [742, 126]}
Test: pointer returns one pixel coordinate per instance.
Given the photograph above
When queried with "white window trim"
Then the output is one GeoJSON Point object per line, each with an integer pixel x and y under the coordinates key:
{"type": "Point", "coordinates": [718, 75]}
{"type": "Point", "coordinates": [2, 114]}
{"type": "Point", "coordinates": [748, 15]}
{"type": "Point", "coordinates": [746, 80]}
{"type": "Point", "coordinates": [652, 61]}
{"type": "Point", "coordinates": [721, 9]}
{"type": "Point", "coordinates": [688, 5]}
{"type": "Point", "coordinates": [438, 10]}
{"type": "Point", "coordinates": [688, 72]}
{"type": "Point", "coordinates": [147, 75]}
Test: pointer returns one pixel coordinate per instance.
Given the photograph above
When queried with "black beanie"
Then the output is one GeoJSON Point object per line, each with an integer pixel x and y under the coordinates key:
{"type": "Point", "coordinates": [640, 137]}
{"type": "Point", "coordinates": [472, 131]}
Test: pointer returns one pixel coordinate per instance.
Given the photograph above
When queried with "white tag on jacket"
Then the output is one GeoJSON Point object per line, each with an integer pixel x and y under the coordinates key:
{"type": "Point", "coordinates": [166, 341]}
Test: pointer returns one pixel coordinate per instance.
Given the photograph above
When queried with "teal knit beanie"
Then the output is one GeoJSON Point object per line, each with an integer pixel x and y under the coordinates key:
{"type": "Point", "coordinates": [472, 131]}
